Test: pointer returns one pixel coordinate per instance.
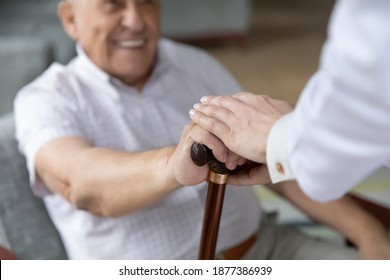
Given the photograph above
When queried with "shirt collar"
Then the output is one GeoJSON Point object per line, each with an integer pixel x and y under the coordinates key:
{"type": "Point", "coordinates": [90, 66]}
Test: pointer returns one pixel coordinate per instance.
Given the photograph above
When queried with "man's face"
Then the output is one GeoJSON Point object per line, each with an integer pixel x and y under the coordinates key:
{"type": "Point", "coordinates": [120, 36]}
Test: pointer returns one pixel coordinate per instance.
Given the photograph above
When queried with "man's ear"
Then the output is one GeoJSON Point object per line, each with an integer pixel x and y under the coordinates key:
{"type": "Point", "coordinates": [66, 14]}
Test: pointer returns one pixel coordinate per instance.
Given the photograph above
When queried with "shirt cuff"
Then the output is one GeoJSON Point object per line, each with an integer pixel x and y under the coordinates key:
{"type": "Point", "coordinates": [277, 151]}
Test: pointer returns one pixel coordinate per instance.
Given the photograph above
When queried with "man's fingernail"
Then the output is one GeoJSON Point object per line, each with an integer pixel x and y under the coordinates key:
{"type": "Point", "coordinates": [192, 112]}
{"type": "Point", "coordinates": [204, 99]}
{"type": "Point", "coordinates": [196, 106]}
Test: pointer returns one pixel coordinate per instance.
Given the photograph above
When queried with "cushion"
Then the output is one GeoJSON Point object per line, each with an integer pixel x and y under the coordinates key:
{"type": "Point", "coordinates": [25, 227]}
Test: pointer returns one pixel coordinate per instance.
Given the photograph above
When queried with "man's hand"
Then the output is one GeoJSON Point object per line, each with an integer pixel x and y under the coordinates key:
{"type": "Point", "coordinates": [184, 169]}
{"type": "Point", "coordinates": [242, 121]}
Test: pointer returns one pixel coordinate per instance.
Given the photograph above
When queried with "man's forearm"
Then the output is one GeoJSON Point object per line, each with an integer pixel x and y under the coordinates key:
{"type": "Point", "coordinates": [114, 183]}
{"type": "Point", "coordinates": [111, 182]}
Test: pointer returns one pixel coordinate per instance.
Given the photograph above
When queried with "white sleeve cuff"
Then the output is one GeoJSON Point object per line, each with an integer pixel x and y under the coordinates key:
{"type": "Point", "coordinates": [277, 151]}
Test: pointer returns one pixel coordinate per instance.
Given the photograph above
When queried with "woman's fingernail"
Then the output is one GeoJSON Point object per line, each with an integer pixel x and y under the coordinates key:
{"type": "Point", "coordinates": [204, 99]}
{"type": "Point", "coordinates": [196, 106]}
{"type": "Point", "coordinates": [192, 112]}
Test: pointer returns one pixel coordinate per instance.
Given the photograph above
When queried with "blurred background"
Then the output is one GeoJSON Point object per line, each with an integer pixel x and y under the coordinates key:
{"type": "Point", "coordinates": [271, 46]}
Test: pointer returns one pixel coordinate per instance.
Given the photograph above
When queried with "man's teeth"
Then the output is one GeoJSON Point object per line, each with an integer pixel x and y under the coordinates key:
{"type": "Point", "coordinates": [131, 43]}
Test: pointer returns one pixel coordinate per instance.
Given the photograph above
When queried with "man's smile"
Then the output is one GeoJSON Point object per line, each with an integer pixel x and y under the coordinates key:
{"type": "Point", "coordinates": [131, 44]}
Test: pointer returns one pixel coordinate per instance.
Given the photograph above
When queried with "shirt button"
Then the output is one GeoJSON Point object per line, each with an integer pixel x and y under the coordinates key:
{"type": "Point", "coordinates": [279, 168]}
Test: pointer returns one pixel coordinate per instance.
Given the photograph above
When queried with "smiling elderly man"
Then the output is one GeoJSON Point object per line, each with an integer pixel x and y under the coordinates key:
{"type": "Point", "coordinates": [105, 148]}
{"type": "Point", "coordinates": [100, 135]}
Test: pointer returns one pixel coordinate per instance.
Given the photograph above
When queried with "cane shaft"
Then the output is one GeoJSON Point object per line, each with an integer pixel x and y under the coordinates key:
{"type": "Point", "coordinates": [212, 215]}
{"type": "Point", "coordinates": [218, 176]}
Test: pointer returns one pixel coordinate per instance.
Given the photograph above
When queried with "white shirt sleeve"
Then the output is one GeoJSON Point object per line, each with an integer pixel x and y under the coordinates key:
{"type": "Point", "coordinates": [277, 151]}
{"type": "Point", "coordinates": [339, 132]}
{"type": "Point", "coordinates": [42, 113]}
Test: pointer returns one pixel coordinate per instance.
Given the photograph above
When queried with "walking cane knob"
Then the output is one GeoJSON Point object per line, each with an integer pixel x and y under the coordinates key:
{"type": "Point", "coordinates": [201, 155]}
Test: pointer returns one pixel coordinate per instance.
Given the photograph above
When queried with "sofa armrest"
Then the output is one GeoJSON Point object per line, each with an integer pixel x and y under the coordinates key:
{"type": "Point", "coordinates": [25, 226]}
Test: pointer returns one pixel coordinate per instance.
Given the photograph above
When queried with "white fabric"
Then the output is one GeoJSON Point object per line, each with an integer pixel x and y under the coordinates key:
{"type": "Point", "coordinates": [79, 99]}
{"type": "Point", "coordinates": [277, 145]}
{"type": "Point", "coordinates": [340, 130]}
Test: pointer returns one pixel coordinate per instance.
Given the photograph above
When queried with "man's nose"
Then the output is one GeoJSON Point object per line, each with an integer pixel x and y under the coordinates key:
{"type": "Point", "coordinates": [133, 18]}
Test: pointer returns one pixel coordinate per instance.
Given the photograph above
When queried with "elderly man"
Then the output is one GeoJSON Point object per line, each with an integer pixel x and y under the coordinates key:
{"type": "Point", "coordinates": [105, 148]}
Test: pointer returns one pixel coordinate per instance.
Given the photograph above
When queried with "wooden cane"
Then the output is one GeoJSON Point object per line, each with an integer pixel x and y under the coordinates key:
{"type": "Point", "coordinates": [218, 175]}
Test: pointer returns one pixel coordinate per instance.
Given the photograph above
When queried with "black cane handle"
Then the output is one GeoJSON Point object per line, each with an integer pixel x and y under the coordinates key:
{"type": "Point", "coordinates": [202, 155]}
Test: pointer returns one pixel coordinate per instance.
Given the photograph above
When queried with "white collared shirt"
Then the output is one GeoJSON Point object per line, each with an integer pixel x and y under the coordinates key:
{"type": "Point", "coordinates": [81, 100]}
{"type": "Point", "coordinates": [339, 132]}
